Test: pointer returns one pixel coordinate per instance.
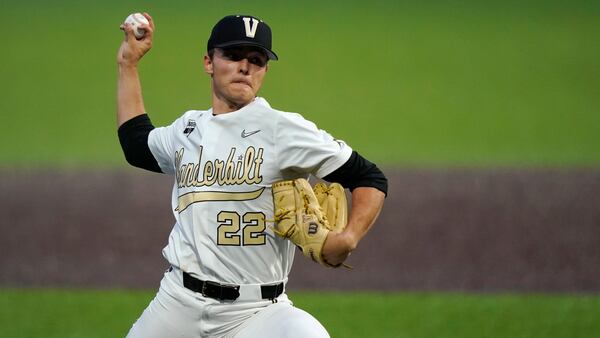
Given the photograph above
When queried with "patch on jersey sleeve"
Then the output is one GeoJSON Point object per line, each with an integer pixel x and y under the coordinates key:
{"type": "Point", "coordinates": [191, 125]}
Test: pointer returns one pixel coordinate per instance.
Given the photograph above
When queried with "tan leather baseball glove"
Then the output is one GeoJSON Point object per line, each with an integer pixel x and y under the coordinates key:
{"type": "Point", "coordinates": [305, 217]}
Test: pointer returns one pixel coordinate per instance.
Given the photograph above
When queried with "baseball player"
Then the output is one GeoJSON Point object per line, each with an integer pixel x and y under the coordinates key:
{"type": "Point", "coordinates": [228, 268]}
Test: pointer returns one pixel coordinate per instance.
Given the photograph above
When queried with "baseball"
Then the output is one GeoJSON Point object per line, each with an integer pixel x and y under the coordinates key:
{"type": "Point", "coordinates": [136, 20]}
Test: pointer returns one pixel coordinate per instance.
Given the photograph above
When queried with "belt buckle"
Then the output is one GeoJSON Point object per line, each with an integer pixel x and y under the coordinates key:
{"type": "Point", "coordinates": [214, 286]}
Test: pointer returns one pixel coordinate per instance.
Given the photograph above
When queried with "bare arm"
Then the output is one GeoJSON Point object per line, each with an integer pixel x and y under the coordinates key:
{"type": "Point", "coordinates": [129, 90]}
{"type": "Point", "coordinates": [366, 206]}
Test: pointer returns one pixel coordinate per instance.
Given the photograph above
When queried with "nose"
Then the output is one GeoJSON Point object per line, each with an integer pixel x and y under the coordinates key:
{"type": "Point", "coordinates": [244, 66]}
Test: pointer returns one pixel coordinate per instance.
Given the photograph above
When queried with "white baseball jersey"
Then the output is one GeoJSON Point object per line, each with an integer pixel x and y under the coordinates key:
{"type": "Point", "coordinates": [224, 166]}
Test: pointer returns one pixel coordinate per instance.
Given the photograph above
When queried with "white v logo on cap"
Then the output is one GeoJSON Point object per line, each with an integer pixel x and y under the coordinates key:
{"type": "Point", "coordinates": [250, 29]}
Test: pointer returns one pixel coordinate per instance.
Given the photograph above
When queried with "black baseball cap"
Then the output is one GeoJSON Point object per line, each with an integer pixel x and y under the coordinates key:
{"type": "Point", "coordinates": [241, 30]}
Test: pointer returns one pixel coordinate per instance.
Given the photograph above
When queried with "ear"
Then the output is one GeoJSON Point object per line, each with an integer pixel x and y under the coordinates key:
{"type": "Point", "coordinates": [208, 65]}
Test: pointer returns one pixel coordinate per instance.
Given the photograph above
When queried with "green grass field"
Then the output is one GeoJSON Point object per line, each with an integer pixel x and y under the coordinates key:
{"type": "Point", "coordinates": [87, 314]}
{"type": "Point", "coordinates": [418, 83]}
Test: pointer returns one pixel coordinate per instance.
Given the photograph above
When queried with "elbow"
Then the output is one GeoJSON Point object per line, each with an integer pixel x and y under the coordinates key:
{"type": "Point", "coordinates": [131, 159]}
{"type": "Point", "coordinates": [382, 185]}
{"type": "Point", "coordinates": [141, 158]}
{"type": "Point", "coordinates": [374, 178]}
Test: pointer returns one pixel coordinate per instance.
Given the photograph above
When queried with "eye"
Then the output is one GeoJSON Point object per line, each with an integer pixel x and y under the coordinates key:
{"type": "Point", "coordinates": [257, 60]}
{"type": "Point", "coordinates": [230, 55]}
{"type": "Point", "coordinates": [226, 54]}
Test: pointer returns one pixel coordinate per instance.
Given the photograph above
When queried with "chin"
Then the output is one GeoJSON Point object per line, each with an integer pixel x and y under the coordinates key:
{"type": "Point", "coordinates": [243, 97]}
{"type": "Point", "coordinates": [241, 101]}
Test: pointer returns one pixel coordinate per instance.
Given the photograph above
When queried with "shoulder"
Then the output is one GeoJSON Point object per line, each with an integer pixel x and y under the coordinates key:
{"type": "Point", "coordinates": [185, 123]}
{"type": "Point", "coordinates": [280, 117]}
{"type": "Point", "coordinates": [189, 117]}
{"type": "Point", "coordinates": [194, 114]}
{"type": "Point", "coordinates": [289, 120]}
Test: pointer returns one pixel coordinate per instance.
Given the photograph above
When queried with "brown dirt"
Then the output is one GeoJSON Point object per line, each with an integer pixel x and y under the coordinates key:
{"type": "Point", "coordinates": [482, 230]}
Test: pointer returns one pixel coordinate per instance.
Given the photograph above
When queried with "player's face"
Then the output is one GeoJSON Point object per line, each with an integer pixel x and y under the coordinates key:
{"type": "Point", "coordinates": [237, 74]}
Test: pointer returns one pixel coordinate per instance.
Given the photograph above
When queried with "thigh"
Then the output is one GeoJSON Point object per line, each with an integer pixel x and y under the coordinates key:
{"type": "Point", "coordinates": [152, 323]}
{"type": "Point", "coordinates": [170, 314]}
{"type": "Point", "coordinates": [282, 320]}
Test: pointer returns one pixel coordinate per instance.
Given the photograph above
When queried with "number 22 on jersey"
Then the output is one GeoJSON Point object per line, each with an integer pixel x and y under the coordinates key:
{"type": "Point", "coordinates": [252, 225]}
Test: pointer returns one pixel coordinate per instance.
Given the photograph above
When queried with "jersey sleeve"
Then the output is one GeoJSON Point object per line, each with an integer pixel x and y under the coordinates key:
{"type": "Point", "coordinates": [302, 147]}
{"type": "Point", "coordinates": [161, 142]}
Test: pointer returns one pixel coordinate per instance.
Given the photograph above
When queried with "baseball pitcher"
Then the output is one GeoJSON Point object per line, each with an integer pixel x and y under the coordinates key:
{"type": "Point", "coordinates": [240, 198]}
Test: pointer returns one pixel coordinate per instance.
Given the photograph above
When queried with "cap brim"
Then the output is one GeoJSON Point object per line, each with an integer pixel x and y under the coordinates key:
{"type": "Point", "coordinates": [270, 53]}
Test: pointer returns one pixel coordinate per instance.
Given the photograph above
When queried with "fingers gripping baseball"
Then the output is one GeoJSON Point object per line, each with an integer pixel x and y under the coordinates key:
{"type": "Point", "coordinates": [133, 49]}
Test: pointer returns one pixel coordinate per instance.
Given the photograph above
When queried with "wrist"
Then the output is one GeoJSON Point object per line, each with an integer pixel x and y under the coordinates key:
{"type": "Point", "coordinates": [127, 66]}
{"type": "Point", "coordinates": [350, 239]}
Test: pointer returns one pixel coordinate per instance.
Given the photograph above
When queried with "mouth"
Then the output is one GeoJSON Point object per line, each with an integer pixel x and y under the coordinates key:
{"type": "Point", "coordinates": [242, 81]}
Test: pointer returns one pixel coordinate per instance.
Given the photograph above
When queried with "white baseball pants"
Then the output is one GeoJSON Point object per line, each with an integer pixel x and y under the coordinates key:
{"type": "Point", "coordinates": [179, 312]}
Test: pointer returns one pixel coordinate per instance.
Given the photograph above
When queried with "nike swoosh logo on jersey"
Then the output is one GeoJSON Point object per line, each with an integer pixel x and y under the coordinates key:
{"type": "Point", "coordinates": [245, 134]}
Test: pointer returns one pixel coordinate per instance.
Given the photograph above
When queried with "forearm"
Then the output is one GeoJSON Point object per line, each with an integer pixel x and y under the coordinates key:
{"type": "Point", "coordinates": [129, 90]}
{"type": "Point", "coordinates": [366, 206]}
{"type": "Point", "coordinates": [130, 102]}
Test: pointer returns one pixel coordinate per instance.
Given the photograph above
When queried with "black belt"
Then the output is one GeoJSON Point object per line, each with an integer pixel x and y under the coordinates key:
{"type": "Point", "coordinates": [226, 292]}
